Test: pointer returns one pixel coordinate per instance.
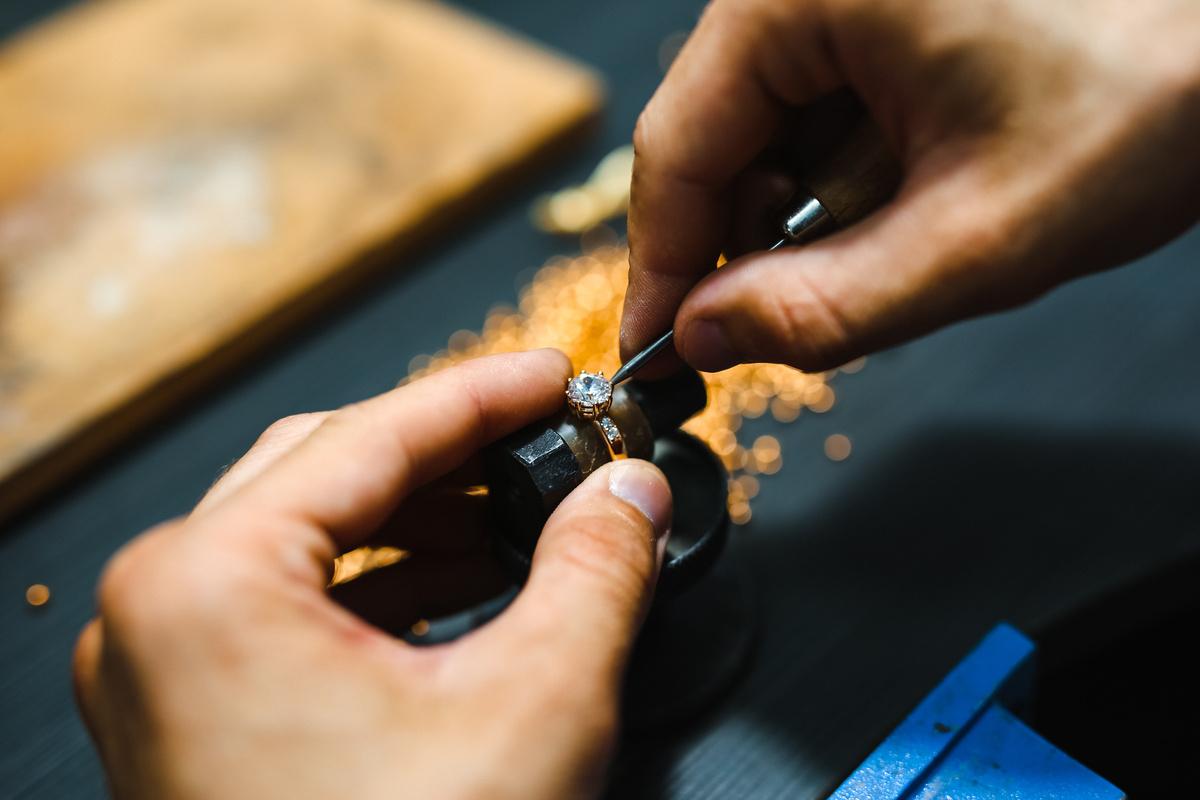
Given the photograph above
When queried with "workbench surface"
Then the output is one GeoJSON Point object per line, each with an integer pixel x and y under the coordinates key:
{"type": "Point", "coordinates": [1021, 467]}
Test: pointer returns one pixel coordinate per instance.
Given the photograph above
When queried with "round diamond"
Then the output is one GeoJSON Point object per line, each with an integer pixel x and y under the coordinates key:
{"type": "Point", "coordinates": [588, 390]}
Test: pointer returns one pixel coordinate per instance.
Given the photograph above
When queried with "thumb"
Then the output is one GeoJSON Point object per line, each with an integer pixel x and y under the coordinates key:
{"type": "Point", "coordinates": [594, 571]}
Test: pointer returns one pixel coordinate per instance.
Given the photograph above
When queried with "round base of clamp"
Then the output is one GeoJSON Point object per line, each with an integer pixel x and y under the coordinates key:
{"type": "Point", "coordinates": [691, 649]}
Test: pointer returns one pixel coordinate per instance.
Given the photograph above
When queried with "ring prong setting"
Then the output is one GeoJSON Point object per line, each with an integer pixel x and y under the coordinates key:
{"type": "Point", "coordinates": [589, 394]}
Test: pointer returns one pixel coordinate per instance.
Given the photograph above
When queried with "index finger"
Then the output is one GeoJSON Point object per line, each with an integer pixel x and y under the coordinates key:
{"type": "Point", "coordinates": [353, 471]}
{"type": "Point", "coordinates": [716, 110]}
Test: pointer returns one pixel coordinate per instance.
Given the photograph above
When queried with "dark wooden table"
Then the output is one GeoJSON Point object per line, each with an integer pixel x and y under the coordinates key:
{"type": "Point", "coordinates": [1023, 467]}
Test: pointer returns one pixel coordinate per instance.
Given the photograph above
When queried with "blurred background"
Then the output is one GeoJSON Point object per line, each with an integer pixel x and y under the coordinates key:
{"type": "Point", "coordinates": [1038, 467]}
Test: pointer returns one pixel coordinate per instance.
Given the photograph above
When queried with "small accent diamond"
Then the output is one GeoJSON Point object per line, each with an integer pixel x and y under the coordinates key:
{"type": "Point", "coordinates": [612, 435]}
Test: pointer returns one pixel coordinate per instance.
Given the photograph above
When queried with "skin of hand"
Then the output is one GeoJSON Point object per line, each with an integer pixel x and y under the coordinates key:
{"type": "Point", "coordinates": [220, 666]}
{"type": "Point", "coordinates": [1040, 141]}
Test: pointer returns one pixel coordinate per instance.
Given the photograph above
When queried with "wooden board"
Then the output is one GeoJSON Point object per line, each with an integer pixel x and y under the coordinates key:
{"type": "Point", "coordinates": [182, 180]}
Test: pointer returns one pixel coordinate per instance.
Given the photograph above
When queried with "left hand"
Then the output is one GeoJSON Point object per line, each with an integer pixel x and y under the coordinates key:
{"type": "Point", "coordinates": [220, 666]}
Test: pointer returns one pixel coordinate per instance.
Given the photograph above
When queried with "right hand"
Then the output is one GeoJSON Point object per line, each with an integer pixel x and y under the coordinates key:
{"type": "Point", "coordinates": [1040, 140]}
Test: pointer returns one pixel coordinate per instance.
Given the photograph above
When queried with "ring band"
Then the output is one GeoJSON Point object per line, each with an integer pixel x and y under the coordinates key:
{"type": "Point", "coordinates": [608, 429]}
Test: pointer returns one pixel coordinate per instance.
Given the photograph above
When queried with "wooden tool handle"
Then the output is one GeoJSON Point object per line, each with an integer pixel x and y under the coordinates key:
{"type": "Point", "coordinates": [861, 175]}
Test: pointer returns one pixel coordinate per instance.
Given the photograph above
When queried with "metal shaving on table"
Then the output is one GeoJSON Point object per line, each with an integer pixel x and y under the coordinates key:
{"type": "Point", "coordinates": [574, 304]}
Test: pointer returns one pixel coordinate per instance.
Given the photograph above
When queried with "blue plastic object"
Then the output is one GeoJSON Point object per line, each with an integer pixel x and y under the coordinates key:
{"type": "Point", "coordinates": [964, 743]}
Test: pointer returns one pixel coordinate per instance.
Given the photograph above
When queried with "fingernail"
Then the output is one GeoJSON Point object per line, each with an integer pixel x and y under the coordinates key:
{"type": "Point", "coordinates": [707, 348]}
{"type": "Point", "coordinates": [644, 487]}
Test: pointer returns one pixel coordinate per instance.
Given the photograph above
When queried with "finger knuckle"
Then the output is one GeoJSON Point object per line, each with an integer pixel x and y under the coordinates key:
{"type": "Point", "coordinates": [806, 328]}
{"type": "Point", "coordinates": [121, 590]}
{"type": "Point", "coordinates": [288, 427]}
{"type": "Point", "coordinates": [153, 585]}
{"type": "Point", "coordinates": [618, 556]}
{"type": "Point", "coordinates": [349, 414]}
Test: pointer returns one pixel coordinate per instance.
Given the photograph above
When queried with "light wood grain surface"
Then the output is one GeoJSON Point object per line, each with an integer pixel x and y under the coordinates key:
{"type": "Point", "coordinates": [182, 179]}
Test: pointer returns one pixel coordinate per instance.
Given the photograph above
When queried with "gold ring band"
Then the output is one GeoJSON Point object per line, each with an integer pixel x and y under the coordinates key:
{"type": "Point", "coordinates": [608, 429]}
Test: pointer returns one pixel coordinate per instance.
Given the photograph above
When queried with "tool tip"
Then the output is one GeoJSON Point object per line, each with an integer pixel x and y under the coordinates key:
{"type": "Point", "coordinates": [641, 359]}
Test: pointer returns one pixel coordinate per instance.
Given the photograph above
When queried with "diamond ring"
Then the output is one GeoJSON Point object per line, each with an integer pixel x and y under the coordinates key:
{"type": "Point", "coordinates": [590, 396]}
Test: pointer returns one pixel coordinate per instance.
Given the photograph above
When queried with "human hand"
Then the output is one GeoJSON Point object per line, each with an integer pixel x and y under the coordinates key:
{"type": "Point", "coordinates": [1040, 141]}
{"type": "Point", "coordinates": [220, 667]}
